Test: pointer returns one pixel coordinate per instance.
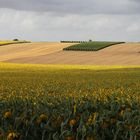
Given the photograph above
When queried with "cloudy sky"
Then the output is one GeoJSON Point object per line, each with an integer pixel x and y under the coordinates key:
{"type": "Point", "coordinates": [54, 20]}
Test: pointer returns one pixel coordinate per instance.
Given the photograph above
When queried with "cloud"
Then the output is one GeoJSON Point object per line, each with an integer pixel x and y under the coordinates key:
{"type": "Point", "coordinates": [45, 27]}
{"type": "Point", "coordinates": [75, 6]}
{"type": "Point", "coordinates": [54, 20]}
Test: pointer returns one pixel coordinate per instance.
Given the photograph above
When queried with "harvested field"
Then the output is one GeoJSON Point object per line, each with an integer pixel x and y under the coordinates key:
{"type": "Point", "coordinates": [18, 51]}
{"type": "Point", "coordinates": [52, 53]}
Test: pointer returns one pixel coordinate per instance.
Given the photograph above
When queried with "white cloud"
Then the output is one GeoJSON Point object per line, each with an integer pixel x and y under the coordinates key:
{"type": "Point", "coordinates": [52, 27]}
{"type": "Point", "coordinates": [134, 28]}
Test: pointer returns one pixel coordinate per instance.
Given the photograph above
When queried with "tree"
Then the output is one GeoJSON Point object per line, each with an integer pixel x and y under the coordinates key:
{"type": "Point", "coordinates": [15, 40]}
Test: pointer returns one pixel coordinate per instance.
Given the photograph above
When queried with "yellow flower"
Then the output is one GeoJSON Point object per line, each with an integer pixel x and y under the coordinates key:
{"type": "Point", "coordinates": [121, 113]}
{"type": "Point", "coordinates": [72, 122]}
{"type": "Point", "coordinates": [8, 115]}
{"type": "Point", "coordinates": [12, 136]}
{"type": "Point", "coordinates": [70, 138]}
{"type": "Point", "coordinates": [92, 119]}
{"type": "Point", "coordinates": [43, 117]}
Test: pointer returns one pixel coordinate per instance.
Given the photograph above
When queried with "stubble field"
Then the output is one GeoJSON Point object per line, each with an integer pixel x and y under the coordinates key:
{"type": "Point", "coordinates": [52, 53]}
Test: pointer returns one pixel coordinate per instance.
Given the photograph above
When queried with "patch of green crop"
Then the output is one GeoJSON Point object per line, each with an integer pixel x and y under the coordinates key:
{"type": "Point", "coordinates": [91, 46]}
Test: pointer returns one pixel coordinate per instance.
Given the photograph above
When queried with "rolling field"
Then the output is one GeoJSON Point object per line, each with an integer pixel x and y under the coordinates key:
{"type": "Point", "coordinates": [91, 46]}
{"type": "Point", "coordinates": [75, 101]}
{"type": "Point", "coordinates": [17, 51]}
{"type": "Point", "coordinates": [57, 102]}
{"type": "Point", "coordinates": [52, 53]}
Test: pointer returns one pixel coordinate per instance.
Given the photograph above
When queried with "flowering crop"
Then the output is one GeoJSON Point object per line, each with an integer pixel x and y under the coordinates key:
{"type": "Point", "coordinates": [42, 102]}
{"type": "Point", "coordinates": [8, 42]}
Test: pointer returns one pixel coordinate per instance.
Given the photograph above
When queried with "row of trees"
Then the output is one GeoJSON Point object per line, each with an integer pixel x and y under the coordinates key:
{"type": "Point", "coordinates": [76, 41]}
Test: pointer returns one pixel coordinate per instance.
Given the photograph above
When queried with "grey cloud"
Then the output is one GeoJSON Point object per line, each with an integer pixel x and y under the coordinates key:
{"type": "Point", "coordinates": [43, 27]}
{"type": "Point", "coordinates": [54, 20]}
{"type": "Point", "coordinates": [75, 6]}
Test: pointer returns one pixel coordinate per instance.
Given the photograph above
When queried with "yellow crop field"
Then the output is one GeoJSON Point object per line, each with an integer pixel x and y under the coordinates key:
{"type": "Point", "coordinates": [8, 42]}
{"type": "Point", "coordinates": [66, 102]}
{"type": "Point", "coordinates": [5, 42]}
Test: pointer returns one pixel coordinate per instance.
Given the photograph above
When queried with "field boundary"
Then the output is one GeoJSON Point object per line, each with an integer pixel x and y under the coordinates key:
{"type": "Point", "coordinates": [62, 67]}
{"type": "Point", "coordinates": [10, 43]}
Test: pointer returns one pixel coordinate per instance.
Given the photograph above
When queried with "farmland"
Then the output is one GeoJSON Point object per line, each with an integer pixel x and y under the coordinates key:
{"type": "Point", "coordinates": [52, 53]}
{"type": "Point", "coordinates": [39, 102]}
{"type": "Point", "coordinates": [8, 42]}
{"type": "Point", "coordinates": [91, 46]}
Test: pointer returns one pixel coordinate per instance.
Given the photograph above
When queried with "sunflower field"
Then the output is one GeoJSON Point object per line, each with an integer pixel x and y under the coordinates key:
{"type": "Point", "coordinates": [46, 102]}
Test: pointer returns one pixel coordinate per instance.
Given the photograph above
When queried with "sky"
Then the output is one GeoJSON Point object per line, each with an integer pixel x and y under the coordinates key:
{"type": "Point", "coordinates": [55, 20]}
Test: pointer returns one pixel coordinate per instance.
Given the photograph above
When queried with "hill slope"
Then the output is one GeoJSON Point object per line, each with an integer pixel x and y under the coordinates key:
{"type": "Point", "coordinates": [52, 53]}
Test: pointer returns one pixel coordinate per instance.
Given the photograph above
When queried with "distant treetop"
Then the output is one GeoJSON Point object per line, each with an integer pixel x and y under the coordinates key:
{"type": "Point", "coordinates": [15, 40]}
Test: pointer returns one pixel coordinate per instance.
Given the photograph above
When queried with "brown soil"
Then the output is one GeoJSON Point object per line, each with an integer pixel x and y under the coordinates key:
{"type": "Point", "coordinates": [52, 53]}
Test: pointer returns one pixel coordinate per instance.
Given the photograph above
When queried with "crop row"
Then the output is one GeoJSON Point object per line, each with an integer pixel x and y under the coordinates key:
{"type": "Point", "coordinates": [91, 46]}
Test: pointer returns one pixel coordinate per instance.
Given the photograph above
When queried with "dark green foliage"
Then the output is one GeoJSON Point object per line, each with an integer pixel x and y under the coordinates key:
{"type": "Point", "coordinates": [103, 103]}
{"type": "Point", "coordinates": [73, 41]}
{"type": "Point", "coordinates": [15, 40]}
{"type": "Point", "coordinates": [91, 46]}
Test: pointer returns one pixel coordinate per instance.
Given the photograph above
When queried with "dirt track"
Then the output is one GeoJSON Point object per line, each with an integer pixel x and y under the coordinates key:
{"type": "Point", "coordinates": [51, 53]}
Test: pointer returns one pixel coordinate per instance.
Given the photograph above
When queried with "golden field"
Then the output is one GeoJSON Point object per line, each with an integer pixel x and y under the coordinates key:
{"type": "Point", "coordinates": [53, 53]}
